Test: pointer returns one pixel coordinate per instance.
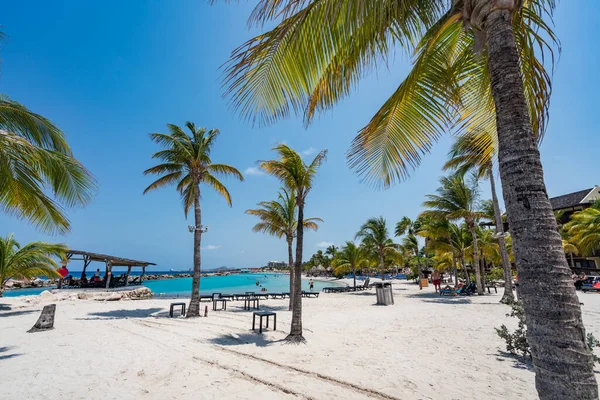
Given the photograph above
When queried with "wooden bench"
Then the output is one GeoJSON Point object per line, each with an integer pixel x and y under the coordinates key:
{"type": "Point", "coordinates": [262, 314]}
{"type": "Point", "coordinates": [492, 286]}
{"type": "Point", "coordinates": [173, 305]}
{"type": "Point", "coordinates": [223, 304]}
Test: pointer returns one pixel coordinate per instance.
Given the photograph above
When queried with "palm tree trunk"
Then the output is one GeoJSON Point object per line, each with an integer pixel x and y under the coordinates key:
{"type": "Point", "coordinates": [508, 297]}
{"type": "Point", "coordinates": [419, 271]}
{"type": "Point", "coordinates": [381, 266]}
{"type": "Point", "coordinates": [476, 266]}
{"type": "Point", "coordinates": [291, 264]}
{"type": "Point", "coordinates": [194, 308]}
{"type": "Point", "coordinates": [454, 269]}
{"type": "Point", "coordinates": [295, 335]}
{"type": "Point", "coordinates": [572, 263]}
{"type": "Point", "coordinates": [354, 276]}
{"type": "Point", "coordinates": [464, 266]}
{"type": "Point", "coordinates": [483, 265]}
{"type": "Point", "coordinates": [555, 331]}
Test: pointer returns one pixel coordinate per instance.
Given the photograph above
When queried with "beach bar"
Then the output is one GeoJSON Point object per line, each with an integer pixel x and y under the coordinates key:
{"type": "Point", "coordinates": [109, 262]}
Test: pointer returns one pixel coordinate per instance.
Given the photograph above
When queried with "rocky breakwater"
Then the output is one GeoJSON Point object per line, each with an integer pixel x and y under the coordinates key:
{"type": "Point", "coordinates": [49, 296]}
{"type": "Point", "coordinates": [26, 283]}
{"type": "Point", "coordinates": [155, 277]}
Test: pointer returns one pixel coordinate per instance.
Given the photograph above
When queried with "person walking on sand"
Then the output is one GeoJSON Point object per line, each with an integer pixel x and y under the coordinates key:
{"type": "Point", "coordinates": [311, 284]}
{"type": "Point", "coordinates": [437, 280]}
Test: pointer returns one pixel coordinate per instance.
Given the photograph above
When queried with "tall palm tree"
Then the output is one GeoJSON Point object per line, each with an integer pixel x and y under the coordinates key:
{"type": "Point", "coordinates": [374, 235]}
{"type": "Point", "coordinates": [476, 151]}
{"type": "Point", "coordinates": [479, 64]}
{"type": "Point", "coordinates": [38, 173]}
{"type": "Point", "coordinates": [411, 228]}
{"type": "Point", "coordinates": [350, 258]}
{"type": "Point", "coordinates": [298, 176]}
{"type": "Point", "coordinates": [186, 163]}
{"type": "Point", "coordinates": [28, 262]}
{"type": "Point", "coordinates": [278, 218]}
{"type": "Point", "coordinates": [456, 200]}
{"type": "Point", "coordinates": [331, 251]}
{"type": "Point", "coordinates": [440, 235]}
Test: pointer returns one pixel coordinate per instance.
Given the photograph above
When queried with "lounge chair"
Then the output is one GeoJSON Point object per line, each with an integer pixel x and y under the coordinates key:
{"type": "Point", "coordinates": [466, 290]}
{"type": "Point", "coordinates": [310, 294]}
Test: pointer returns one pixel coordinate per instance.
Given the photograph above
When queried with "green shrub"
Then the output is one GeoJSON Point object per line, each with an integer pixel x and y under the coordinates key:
{"type": "Point", "coordinates": [495, 274]}
{"type": "Point", "coordinates": [516, 342]}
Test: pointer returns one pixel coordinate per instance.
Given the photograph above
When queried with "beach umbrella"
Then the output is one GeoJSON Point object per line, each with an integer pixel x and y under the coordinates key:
{"type": "Point", "coordinates": [63, 271]}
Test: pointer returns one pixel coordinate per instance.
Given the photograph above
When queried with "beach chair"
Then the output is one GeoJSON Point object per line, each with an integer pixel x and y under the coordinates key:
{"type": "Point", "coordinates": [310, 294]}
{"type": "Point", "coordinates": [465, 290]}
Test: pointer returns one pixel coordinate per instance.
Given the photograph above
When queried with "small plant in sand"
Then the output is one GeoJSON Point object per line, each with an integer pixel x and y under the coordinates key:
{"type": "Point", "coordinates": [516, 342]}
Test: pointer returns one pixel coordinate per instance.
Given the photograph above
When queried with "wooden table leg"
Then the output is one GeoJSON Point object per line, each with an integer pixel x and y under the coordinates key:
{"type": "Point", "coordinates": [267, 321]}
{"type": "Point", "coordinates": [275, 322]}
{"type": "Point", "coordinates": [253, 321]}
{"type": "Point", "coordinates": [260, 323]}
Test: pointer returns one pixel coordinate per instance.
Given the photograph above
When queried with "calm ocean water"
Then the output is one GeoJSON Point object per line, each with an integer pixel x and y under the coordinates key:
{"type": "Point", "coordinates": [238, 283]}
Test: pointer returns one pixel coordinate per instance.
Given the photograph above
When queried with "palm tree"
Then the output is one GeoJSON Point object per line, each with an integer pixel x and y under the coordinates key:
{"type": "Point", "coordinates": [331, 251]}
{"type": "Point", "coordinates": [278, 218]}
{"type": "Point", "coordinates": [375, 236]}
{"type": "Point", "coordinates": [35, 159]}
{"type": "Point", "coordinates": [584, 229]}
{"type": "Point", "coordinates": [298, 176]}
{"type": "Point", "coordinates": [441, 236]}
{"type": "Point", "coordinates": [456, 200]}
{"type": "Point", "coordinates": [475, 151]}
{"type": "Point", "coordinates": [350, 258]}
{"type": "Point", "coordinates": [185, 162]}
{"type": "Point", "coordinates": [410, 242]}
{"type": "Point", "coordinates": [28, 262]}
{"type": "Point", "coordinates": [479, 65]}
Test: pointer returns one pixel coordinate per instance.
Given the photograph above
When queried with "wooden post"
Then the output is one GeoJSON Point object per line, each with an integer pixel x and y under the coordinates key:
{"type": "Point", "coordinates": [143, 273]}
{"type": "Point", "coordinates": [46, 320]}
{"type": "Point", "coordinates": [86, 262]}
{"type": "Point", "coordinates": [127, 276]}
{"type": "Point", "coordinates": [108, 273]}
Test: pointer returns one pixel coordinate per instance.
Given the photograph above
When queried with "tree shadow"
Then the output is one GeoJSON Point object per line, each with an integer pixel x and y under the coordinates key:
{"type": "Point", "coordinates": [15, 313]}
{"type": "Point", "coordinates": [4, 349]}
{"type": "Point", "coordinates": [239, 308]}
{"type": "Point", "coordinates": [239, 339]}
{"type": "Point", "coordinates": [5, 307]}
{"type": "Point", "coordinates": [124, 314]}
{"type": "Point", "coordinates": [519, 362]}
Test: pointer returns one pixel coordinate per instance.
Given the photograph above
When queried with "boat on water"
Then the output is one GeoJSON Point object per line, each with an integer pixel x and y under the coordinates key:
{"type": "Point", "coordinates": [244, 271]}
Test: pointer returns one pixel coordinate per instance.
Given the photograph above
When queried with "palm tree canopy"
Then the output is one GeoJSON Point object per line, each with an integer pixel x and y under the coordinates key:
{"type": "Point", "coordinates": [278, 217]}
{"type": "Point", "coordinates": [30, 261]}
{"type": "Point", "coordinates": [473, 151]}
{"type": "Point", "coordinates": [584, 229]}
{"type": "Point", "coordinates": [319, 50]}
{"type": "Point", "coordinates": [35, 159]}
{"type": "Point", "coordinates": [350, 257]}
{"type": "Point", "coordinates": [455, 199]}
{"type": "Point", "coordinates": [186, 163]}
{"type": "Point", "coordinates": [292, 171]}
{"type": "Point", "coordinates": [374, 234]}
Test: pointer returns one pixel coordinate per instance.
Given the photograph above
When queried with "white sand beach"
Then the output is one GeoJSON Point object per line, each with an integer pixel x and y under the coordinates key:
{"type": "Point", "coordinates": [423, 347]}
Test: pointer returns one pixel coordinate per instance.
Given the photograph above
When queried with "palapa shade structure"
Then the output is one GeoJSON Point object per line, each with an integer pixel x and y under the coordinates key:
{"type": "Point", "coordinates": [110, 261]}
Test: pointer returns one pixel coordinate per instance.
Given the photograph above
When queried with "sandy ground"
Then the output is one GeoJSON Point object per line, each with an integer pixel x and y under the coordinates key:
{"type": "Point", "coordinates": [423, 347]}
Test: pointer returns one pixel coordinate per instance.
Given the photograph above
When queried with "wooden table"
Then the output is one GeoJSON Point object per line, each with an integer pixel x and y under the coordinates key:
{"type": "Point", "coordinates": [223, 304]}
{"type": "Point", "coordinates": [173, 305]}
{"type": "Point", "coordinates": [262, 314]}
{"type": "Point", "coordinates": [251, 300]}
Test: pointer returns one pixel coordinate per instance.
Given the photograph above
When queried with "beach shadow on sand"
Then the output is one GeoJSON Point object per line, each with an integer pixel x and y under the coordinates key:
{"type": "Point", "coordinates": [15, 313]}
{"type": "Point", "coordinates": [4, 307]}
{"type": "Point", "coordinates": [7, 356]}
{"type": "Point", "coordinates": [243, 338]}
{"type": "Point", "coordinates": [518, 362]}
{"type": "Point", "coordinates": [124, 314]}
{"type": "Point", "coordinates": [432, 297]}
{"type": "Point", "coordinates": [239, 308]}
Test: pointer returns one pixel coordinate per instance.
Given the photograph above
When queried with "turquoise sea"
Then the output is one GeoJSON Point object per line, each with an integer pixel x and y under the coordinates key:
{"type": "Point", "coordinates": [181, 287]}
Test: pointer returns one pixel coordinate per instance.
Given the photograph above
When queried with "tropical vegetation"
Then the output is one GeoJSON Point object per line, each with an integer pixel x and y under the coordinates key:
{"type": "Point", "coordinates": [31, 261]}
{"type": "Point", "coordinates": [186, 163]}
{"type": "Point", "coordinates": [375, 238]}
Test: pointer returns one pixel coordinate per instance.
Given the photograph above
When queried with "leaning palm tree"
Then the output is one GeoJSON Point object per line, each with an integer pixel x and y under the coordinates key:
{"type": "Point", "coordinates": [298, 176]}
{"type": "Point", "coordinates": [456, 200]}
{"type": "Point", "coordinates": [375, 236]}
{"type": "Point", "coordinates": [278, 218]}
{"type": "Point", "coordinates": [38, 173]}
{"type": "Point", "coordinates": [186, 163]}
{"type": "Point", "coordinates": [28, 262]}
{"type": "Point", "coordinates": [476, 151]}
{"type": "Point", "coordinates": [479, 65]}
{"type": "Point", "coordinates": [411, 228]}
{"type": "Point", "coordinates": [350, 258]}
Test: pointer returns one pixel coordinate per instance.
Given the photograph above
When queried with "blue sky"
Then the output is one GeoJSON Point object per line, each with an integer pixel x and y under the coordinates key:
{"type": "Point", "coordinates": [108, 73]}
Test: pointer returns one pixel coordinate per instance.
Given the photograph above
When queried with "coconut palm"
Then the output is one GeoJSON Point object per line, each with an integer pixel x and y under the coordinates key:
{"type": "Point", "coordinates": [375, 236]}
{"type": "Point", "coordinates": [28, 262]}
{"type": "Point", "coordinates": [410, 241]}
{"type": "Point", "coordinates": [186, 163]}
{"type": "Point", "coordinates": [479, 65]}
{"type": "Point", "coordinates": [457, 200]}
{"type": "Point", "coordinates": [298, 176]}
{"type": "Point", "coordinates": [278, 218]}
{"type": "Point", "coordinates": [350, 258]}
{"type": "Point", "coordinates": [331, 251]}
{"type": "Point", "coordinates": [439, 234]}
{"type": "Point", "coordinates": [476, 151]}
{"type": "Point", "coordinates": [38, 173]}
{"type": "Point", "coordinates": [584, 229]}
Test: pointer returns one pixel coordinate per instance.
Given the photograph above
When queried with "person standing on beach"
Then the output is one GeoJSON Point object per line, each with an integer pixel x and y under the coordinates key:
{"type": "Point", "coordinates": [437, 280]}
{"type": "Point", "coordinates": [311, 284]}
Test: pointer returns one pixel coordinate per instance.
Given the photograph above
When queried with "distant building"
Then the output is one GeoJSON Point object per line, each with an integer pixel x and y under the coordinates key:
{"type": "Point", "coordinates": [277, 264]}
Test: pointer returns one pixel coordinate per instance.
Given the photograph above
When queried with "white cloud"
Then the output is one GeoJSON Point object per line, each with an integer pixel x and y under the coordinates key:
{"type": "Point", "coordinates": [309, 151]}
{"type": "Point", "coordinates": [253, 171]}
{"type": "Point", "coordinates": [325, 244]}
{"type": "Point", "coordinates": [211, 247]}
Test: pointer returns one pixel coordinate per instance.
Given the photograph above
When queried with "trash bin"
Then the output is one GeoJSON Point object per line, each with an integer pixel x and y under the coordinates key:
{"type": "Point", "coordinates": [383, 290]}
